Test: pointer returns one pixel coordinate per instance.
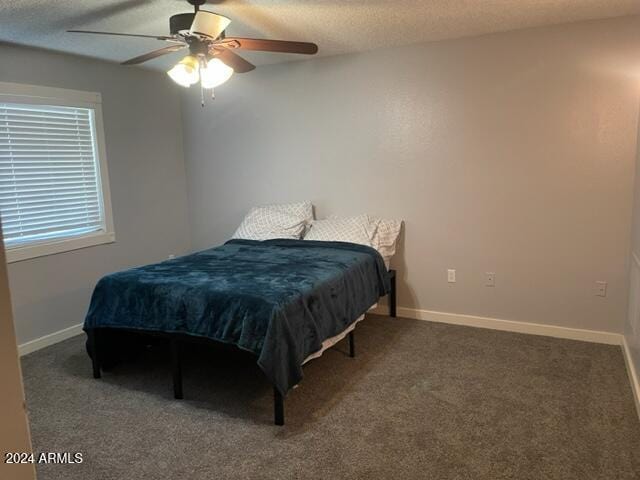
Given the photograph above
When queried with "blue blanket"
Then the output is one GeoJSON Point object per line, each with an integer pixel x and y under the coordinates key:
{"type": "Point", "coordinates": [279, 299]}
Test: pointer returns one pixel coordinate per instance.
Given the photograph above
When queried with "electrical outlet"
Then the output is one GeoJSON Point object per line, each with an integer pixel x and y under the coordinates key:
{"type": "Point", "coordinates": [451, 275]}
{"type": "Point", "coordinates": [490, 279]}
{"type": "Point", "coordinates": [601, 289]}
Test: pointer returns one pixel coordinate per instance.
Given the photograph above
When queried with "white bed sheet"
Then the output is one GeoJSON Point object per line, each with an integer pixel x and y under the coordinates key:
{"type": "Point", "coordinates": [330, 342]}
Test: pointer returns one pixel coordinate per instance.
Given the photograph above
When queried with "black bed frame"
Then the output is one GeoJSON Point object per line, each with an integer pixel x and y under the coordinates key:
{"type": "Point", "coordinates": [176, 339]}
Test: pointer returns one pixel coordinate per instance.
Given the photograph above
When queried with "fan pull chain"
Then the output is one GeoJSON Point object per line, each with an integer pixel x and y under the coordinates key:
{"type": "Point", "coordinates": [213, 94]}
{"type": "Point", "coordinates": [201, 95]}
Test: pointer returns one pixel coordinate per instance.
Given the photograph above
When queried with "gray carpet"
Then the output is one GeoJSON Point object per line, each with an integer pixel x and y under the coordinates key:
{"type": "Point", "coordinates": [421, 400]}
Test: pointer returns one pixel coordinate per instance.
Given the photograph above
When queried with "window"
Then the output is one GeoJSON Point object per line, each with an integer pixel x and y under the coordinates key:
{"type": "Point", "coordinates": [54, 194]}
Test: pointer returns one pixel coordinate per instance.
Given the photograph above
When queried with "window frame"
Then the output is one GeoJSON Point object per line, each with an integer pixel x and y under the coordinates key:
{"type": "Point", "coordinates": [38, 95]}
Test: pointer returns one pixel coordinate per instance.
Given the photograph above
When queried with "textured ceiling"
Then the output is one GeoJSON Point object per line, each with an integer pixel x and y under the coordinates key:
{"type": "Point", "coordinates": [337, 26]}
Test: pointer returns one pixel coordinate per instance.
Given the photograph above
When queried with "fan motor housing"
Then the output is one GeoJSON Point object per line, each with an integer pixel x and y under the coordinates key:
{"type": "Point", "coordinates": [180, 22]}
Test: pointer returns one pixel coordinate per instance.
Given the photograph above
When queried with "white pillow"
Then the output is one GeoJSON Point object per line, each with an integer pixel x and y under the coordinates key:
{"type": "Point", "coordinates": [301, 210]}
{"type": "Point", "coordinates": [265, 223]}
{"type": "Point", "coordinates": [385, 236]}
{"type": "Point", "coordinates": [349, 229]}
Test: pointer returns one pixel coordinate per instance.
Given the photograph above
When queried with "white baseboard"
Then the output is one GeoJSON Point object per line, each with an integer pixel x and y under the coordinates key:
{"type": "Point", "coordinates": [50, 339]}
{"type": "Point", "coordinates": [633, 374]}
{"type": "Point", "coordinates": [594, 336]}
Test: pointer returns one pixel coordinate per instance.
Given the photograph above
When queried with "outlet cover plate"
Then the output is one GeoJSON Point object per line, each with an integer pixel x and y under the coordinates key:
{"type": "Point", "coordinates": [451, 275]}
{"type": "Point", "coordinates": [601, 289]}
{"type": "Point", "coordinates": [490, 279]}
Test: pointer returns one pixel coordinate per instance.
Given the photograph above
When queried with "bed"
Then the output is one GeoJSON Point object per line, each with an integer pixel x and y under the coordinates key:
{"type": "Point", "coordinates": [284, 301]}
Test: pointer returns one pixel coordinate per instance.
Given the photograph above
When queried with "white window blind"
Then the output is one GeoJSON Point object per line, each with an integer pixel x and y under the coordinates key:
{"type": "Point", "coordinates": [49, 173]}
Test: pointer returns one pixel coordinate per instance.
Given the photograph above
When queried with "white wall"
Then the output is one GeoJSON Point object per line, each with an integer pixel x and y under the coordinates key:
{"type": "Point", "coordinates": [510, 153]}
{"type": "Point", "coordinates": [142, 124]}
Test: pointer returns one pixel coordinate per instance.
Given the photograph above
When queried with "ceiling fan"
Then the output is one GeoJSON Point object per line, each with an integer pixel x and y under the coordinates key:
{"type": "Point", "coordinates": [211, 59]}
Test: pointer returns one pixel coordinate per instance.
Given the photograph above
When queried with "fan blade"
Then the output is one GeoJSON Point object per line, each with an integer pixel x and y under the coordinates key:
{"type": "Point", "coordinates": [154, 54]}
{"type": "Point", "coordinates": [157, 37]}
{"type": "Point", "coordinates": [208, 24]}
{"type": "Point", "coordinates": [281, 46]}
{"type": "Point", "coordinates": [233, 60]}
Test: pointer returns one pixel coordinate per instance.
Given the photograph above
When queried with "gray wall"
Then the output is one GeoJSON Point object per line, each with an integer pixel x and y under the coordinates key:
{"type": "Point", "coordinates": [510, 153]}
{"type": "Point", "coordinates": [142, 125]}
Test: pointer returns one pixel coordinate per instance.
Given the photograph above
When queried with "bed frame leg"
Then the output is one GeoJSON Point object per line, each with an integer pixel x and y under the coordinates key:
{"type": "Point", "coordinates": [392, 294]}
{"type": "Point", "coordinates": [278, 407]}
{"type": "Point", "coordinates": [176, 367]}
{"type": "Point", "coordinates": [352, 344]}
{"type": "Point", "coordinates": [93, 346]}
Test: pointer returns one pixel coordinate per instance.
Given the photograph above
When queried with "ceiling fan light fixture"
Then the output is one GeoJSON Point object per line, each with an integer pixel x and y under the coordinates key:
{"type": "Point", "coordinates": [208, 24]}
{"type": "Point", "coordinates": [215, 73]}
{"type": "Point", "coordinates": [185, 72]}
{"type": "Point", "coordinates": [212, 58]}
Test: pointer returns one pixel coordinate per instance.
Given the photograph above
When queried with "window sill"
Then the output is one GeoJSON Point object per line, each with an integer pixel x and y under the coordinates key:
{"type": "Point", "coordinates": [18, 254]}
